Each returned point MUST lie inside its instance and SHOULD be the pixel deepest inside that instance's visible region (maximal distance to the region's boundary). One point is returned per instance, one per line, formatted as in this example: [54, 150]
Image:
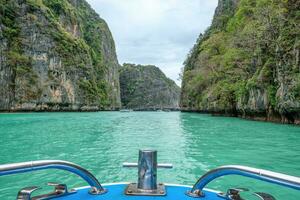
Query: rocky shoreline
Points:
[57, 108]
[275, 117]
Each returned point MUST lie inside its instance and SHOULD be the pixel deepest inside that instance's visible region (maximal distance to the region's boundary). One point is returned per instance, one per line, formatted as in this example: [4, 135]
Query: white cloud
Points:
[158, 32]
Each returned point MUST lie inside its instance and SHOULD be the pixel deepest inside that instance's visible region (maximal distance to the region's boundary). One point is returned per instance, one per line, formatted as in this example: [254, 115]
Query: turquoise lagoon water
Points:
[102, 141]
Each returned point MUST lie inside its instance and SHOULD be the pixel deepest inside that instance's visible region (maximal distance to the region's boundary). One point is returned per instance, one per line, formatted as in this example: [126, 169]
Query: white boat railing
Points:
[23, 167]
[260, 174]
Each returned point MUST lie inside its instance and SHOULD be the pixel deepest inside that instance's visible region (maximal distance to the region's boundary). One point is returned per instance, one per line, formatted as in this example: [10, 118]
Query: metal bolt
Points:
[198, 192]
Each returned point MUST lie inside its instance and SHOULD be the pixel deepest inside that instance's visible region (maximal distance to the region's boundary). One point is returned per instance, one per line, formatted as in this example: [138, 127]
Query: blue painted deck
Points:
[116, 192]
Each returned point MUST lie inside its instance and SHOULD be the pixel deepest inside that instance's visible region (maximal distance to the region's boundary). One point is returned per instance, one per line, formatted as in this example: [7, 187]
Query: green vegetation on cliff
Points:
[145, 87]
[247, 62]
[56, 52]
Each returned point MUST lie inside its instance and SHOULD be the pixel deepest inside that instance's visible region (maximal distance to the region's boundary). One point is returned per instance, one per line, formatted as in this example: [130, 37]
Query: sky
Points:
[156, 32]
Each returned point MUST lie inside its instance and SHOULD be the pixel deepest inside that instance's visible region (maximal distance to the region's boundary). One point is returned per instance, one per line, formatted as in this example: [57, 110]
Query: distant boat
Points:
[146, 187]
[126, 110]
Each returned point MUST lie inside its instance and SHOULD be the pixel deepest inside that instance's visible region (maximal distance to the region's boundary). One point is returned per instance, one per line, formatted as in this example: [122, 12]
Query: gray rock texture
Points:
[147, 88]
[247, 63]
[56, 56]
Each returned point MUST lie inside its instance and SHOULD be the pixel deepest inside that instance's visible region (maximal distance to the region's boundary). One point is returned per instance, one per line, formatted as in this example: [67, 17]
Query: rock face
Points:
[56, 55]
[247, 63]
[147, 88]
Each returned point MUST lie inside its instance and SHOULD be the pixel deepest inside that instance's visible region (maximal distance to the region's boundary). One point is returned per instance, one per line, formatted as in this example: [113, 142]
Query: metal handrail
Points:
[260, 174]
[23, 167]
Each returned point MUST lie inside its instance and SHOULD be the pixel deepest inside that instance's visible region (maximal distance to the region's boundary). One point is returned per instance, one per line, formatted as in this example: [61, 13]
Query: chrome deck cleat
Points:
[147, 175]
[60, 190]
[233, 193]
[25, 193]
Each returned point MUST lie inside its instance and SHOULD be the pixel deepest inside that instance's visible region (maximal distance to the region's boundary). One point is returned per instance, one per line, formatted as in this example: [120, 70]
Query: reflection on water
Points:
[101, 141]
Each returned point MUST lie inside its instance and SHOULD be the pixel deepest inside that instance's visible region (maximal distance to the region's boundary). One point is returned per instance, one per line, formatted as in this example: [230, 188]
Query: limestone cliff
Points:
[56, 55]
[247, 63]
[147, 88]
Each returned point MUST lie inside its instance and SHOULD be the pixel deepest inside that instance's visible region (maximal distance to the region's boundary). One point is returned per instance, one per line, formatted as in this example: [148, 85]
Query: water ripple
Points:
[102, 141]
